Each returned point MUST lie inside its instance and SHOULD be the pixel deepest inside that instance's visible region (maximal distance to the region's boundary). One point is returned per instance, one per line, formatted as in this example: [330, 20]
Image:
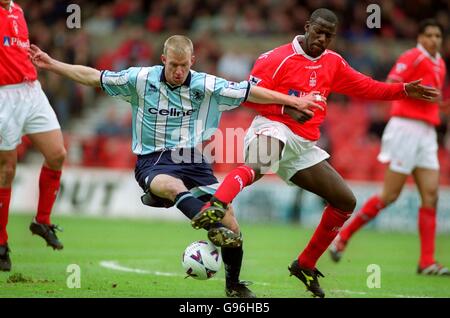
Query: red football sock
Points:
[49, 182]
[234, 182]
[326, 231]
[427, 231]
[5, 198]
[369, 211]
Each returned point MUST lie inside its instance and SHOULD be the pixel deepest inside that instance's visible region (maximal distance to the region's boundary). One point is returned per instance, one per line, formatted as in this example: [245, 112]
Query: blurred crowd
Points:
[228, 36]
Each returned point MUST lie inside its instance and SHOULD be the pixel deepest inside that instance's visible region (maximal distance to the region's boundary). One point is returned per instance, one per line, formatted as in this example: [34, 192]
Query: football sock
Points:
[5, 197]
[190, 206]
[232, 260]
[427, 231]
[234, 182]
[369, 211]
[49, 182]
[326, 231]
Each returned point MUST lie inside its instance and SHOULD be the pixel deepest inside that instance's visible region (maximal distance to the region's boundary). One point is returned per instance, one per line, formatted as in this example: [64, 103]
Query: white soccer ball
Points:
[201, 260]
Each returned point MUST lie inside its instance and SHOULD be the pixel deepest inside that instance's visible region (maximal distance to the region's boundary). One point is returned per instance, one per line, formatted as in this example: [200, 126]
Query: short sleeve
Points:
[229, 95]
[120, 84]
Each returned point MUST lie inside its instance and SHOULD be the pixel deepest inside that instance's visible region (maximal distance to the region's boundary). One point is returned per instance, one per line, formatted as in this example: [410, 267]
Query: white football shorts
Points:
[298, 153]
[24, 109]
[407, 144]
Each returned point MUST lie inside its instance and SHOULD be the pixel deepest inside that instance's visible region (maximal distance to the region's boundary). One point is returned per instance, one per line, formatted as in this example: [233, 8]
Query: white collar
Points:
[435, 59]
[299, 50]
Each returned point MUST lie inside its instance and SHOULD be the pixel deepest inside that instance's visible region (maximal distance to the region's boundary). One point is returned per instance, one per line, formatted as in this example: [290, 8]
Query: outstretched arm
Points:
[263, 95]
[351, 82]
[82, 74]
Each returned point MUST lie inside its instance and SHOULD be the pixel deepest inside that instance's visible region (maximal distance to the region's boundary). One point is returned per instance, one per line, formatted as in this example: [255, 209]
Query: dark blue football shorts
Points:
[186, 164]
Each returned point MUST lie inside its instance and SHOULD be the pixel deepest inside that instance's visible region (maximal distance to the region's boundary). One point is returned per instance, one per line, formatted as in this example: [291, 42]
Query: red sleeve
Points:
[403, 68]
[350, 82]
[261, 75]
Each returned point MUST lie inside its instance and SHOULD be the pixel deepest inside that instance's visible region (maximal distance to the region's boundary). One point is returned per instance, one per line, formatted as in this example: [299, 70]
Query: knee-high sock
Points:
[234, 182]
[49, 182]
[190, 206]
[427, 232]
[369, 211]
[5, 197]
[326, 231]
[232, 259]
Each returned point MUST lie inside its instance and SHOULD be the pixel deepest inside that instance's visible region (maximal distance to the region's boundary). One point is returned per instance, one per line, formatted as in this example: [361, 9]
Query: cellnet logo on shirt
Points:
[173, 112]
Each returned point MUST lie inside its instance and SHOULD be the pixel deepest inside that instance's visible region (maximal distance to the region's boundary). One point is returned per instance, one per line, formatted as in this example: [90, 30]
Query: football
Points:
[201, 260]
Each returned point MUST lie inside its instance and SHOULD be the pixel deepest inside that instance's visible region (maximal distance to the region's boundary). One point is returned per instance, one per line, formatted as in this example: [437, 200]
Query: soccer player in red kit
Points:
[25, 110]
[409, 145]
[278, 142]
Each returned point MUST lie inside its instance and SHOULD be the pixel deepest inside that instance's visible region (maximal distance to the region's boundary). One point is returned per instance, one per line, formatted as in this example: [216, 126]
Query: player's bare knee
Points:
[430, 199]
[56, 160]
[173, 188]
[230, 221]
[389, 198]
[7, 173]
[347, 203]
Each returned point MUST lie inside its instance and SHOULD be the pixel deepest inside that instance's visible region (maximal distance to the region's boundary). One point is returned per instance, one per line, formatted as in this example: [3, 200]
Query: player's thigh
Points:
[166, 186]
[324, 181]
[263, 152]
[427, 181]
[230, 221]
[50, 144]
[392, 185]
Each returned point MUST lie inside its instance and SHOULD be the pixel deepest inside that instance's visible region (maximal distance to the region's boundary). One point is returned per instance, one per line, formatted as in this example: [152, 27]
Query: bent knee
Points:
[7, 173]
[56, 160]
[347, 203]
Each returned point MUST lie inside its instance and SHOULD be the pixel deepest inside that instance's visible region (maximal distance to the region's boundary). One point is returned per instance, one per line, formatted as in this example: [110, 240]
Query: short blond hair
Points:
[179, 44]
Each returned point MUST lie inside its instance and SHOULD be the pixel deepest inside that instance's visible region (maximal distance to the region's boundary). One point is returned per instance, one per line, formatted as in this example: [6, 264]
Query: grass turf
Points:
[151, 251]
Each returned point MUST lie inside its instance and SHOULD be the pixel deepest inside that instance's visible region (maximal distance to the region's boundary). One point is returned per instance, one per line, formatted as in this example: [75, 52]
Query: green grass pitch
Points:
[146, 260]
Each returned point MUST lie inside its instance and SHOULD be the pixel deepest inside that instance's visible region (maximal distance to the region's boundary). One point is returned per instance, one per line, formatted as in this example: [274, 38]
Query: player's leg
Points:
[232, 258]
[262, 153]
[427, 181]
[43, 129]
[392, 187]
[51, 145]
[174, 192]
[8, 160]
[324, 181]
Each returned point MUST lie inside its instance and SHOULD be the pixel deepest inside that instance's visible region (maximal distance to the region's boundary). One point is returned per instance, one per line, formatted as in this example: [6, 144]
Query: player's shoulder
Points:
[16, 7]
[411, 54]
[333, 56]
[277, 55]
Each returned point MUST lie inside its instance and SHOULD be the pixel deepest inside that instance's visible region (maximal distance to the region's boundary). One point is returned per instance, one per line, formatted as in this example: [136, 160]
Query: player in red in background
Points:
[25, 110]
[409, 145]
[278, 142]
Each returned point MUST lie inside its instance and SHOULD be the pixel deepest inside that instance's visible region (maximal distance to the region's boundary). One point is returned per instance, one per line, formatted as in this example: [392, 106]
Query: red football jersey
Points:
[15, 65]
[289, 70]
[412, 65]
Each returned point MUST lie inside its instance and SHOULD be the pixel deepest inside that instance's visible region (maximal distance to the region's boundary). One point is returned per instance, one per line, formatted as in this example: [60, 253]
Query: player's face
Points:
[177, 67]
[5, 3]
[318, 36]
[431, 39]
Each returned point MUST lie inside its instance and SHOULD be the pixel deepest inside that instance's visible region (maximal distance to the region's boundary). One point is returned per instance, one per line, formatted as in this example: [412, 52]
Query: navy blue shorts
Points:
[186, 164]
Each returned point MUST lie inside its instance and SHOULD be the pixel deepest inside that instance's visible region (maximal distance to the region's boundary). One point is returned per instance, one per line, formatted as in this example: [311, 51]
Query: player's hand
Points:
[300, 116]
[308, 102]
[39, 58]
[416, 90]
